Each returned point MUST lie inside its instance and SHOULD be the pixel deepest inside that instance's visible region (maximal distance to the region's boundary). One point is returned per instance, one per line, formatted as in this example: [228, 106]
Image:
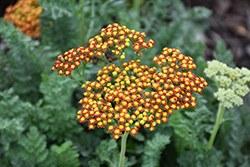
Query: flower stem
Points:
[103, 58]
[83, 79]
[136, 5]
[220, 113]
[91, 26]
[123, 149]
[71, 77]
[82, 34]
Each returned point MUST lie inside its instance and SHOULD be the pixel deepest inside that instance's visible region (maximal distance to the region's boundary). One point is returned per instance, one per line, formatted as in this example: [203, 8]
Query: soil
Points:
[229, 22]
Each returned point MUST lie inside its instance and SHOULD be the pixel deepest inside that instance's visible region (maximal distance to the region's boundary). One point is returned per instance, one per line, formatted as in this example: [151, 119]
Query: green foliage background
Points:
[38, 107]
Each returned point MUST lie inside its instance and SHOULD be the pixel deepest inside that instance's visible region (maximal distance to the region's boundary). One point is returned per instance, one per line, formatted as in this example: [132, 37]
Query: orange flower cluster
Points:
[25, 16]
[126, 98]
[114, 38]
[133, 96]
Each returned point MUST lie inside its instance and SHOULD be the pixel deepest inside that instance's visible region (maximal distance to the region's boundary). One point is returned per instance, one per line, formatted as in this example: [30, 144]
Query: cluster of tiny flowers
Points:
[25, 16]
[232, 83]
[126, 98]
[113, 38]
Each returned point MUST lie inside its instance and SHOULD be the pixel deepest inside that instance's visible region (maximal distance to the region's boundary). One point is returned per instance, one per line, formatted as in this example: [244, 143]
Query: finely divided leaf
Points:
[65, 155]
[153, 150]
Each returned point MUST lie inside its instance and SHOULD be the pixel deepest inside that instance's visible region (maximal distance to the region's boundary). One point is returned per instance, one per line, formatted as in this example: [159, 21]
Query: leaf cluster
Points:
[223, 55]
[22, 62]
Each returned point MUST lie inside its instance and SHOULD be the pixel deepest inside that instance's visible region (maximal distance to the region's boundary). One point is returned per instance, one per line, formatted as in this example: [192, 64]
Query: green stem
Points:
[71, 77]
[136, 5]
[103, 58]
[83, 79]
[113, 165]
[216, 82]
[120, 61]
[220, 113]
[91, 26]
[137, 56]
[123, 149]
[82, 34]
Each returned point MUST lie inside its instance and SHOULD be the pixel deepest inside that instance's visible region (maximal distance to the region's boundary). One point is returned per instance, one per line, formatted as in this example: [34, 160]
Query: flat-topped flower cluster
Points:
[25, 16]
[130, 96]
[232, 83]
[113, 37]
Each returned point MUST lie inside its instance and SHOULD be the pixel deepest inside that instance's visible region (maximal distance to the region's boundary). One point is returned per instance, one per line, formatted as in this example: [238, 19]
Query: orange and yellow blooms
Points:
[126, 98]
[25, 16]
[113, 38]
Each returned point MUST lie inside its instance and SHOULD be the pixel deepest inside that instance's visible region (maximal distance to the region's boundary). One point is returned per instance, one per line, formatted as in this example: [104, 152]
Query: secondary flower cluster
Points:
[133, 96]
[25, 16]
[113, 38]
[233, 84]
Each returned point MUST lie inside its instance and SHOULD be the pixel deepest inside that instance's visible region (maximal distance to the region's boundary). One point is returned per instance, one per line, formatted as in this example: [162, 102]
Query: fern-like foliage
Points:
[20, 59]
[22, 64]
[57, 90]
[190, 130]
[58, 17]
[173, 31]
[34, 146]
[201, 157]
[11, 106]
[86, 143]
[189, 126]
[14, 118]
[64, 155]
[170, 26]
[232, 139]
[55, 116]
[114, 6]
[94, 163]
[224, 55]
[153, 150]
[108, 153]
[10, 130]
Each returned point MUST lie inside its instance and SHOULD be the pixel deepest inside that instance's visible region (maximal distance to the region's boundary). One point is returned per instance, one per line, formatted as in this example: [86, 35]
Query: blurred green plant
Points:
[22, 62]
[223, 55]
[153, 148]
[21, 143]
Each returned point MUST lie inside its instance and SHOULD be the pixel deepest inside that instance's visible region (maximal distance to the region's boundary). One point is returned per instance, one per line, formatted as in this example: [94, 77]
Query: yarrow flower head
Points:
[233, 84]
[128, 97]
[113, 38]
[25, 16]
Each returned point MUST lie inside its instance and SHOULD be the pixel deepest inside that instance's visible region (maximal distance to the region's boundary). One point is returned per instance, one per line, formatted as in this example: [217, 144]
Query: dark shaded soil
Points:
[230, 22]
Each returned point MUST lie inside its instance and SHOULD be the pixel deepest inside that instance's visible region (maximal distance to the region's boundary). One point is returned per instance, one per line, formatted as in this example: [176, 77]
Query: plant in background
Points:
[232, 84]
[25, 16]
[130, 95]
[30, 55]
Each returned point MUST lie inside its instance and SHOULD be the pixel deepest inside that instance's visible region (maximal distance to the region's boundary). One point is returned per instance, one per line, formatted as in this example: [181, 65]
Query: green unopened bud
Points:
[62, 59]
